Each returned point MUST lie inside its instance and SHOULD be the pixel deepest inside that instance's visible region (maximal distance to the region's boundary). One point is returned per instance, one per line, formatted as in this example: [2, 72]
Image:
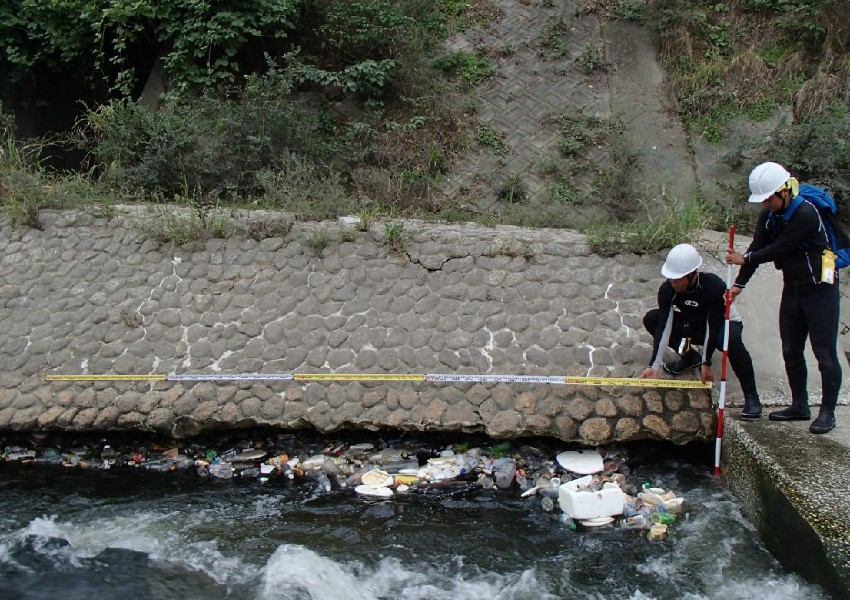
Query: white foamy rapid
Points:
[251, 548]
[297, 572]
[163, 537]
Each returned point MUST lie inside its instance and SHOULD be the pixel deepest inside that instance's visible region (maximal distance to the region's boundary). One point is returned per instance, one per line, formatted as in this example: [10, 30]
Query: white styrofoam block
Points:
[583, 462]
[583, 504]
[576, 484]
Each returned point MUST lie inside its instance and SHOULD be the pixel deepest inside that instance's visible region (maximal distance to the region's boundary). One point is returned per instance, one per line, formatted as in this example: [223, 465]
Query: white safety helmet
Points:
[766, 179]
[681, 260]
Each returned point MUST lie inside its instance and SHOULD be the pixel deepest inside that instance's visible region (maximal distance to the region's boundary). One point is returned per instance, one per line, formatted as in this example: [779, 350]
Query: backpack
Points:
[839, 241]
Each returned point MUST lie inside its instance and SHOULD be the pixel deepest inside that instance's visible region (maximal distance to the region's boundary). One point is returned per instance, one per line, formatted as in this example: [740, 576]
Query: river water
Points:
[125, 534]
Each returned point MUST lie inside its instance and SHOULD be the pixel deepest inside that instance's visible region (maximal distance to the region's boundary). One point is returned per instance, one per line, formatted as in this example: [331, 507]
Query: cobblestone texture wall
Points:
[97, 296]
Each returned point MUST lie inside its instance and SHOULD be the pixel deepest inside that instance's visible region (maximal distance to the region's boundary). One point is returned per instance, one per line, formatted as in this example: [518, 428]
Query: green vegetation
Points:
[321, 108]
[747, 57]
[472, 69]
[316, 241]
[184, 227]
[592, 58]
[396, 236]
[817, 149]
[339, 107]
[104, 40]
[579, 132]
[553, 39]
[490, 138]
[513, 189]
[654, 232]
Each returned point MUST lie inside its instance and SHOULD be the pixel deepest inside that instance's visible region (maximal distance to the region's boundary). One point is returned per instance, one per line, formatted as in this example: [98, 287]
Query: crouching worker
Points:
[692, 310]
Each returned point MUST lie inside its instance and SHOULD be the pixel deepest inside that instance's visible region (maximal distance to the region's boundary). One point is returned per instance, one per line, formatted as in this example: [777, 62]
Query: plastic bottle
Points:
[637, 521]
[522, 480]
[397, 465]
[567, 521]
[108, 453]
[548, 504]
[221, 470]
[629, 509]
[323, 481]
[663, 517]
[505, 473]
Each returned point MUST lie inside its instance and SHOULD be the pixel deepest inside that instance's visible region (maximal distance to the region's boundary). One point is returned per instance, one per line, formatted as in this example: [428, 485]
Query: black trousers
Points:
[810, 311]
[739, 357]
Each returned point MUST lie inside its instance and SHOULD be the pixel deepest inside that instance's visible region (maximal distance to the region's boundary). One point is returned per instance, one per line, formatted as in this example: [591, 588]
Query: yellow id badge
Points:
[827, 269]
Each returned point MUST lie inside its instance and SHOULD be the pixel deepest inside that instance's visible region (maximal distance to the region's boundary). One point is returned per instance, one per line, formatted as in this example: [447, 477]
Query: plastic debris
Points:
[582, 489]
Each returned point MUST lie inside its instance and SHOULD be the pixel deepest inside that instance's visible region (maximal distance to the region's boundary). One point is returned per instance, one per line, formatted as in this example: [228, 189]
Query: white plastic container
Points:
[582, 504]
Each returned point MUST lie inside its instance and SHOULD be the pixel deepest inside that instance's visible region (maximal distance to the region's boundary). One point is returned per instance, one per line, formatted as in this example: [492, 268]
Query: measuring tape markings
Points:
[231, 377]
[105, 377]
[494, 378]
[431, 377]
[357, 377]
[637, 382]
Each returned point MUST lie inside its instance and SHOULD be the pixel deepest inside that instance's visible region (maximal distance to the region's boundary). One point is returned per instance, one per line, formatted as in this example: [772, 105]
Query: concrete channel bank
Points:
[99, 297]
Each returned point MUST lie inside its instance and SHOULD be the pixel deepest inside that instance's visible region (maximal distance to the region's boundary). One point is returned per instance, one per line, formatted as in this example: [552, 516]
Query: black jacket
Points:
[702, 307]
[794, 247]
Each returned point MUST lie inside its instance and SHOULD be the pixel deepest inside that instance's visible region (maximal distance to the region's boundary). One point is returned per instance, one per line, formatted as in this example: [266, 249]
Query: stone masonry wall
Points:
[97, 296]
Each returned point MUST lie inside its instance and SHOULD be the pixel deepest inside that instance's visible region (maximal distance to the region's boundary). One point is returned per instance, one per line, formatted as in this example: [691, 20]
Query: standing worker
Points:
[692, 309]
[810, 298]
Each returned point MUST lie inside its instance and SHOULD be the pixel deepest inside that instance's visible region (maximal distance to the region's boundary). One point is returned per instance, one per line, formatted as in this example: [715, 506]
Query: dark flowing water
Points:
[69, 534]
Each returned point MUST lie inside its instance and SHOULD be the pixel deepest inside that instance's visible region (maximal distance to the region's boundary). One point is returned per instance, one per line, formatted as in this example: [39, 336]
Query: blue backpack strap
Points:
[796, 201]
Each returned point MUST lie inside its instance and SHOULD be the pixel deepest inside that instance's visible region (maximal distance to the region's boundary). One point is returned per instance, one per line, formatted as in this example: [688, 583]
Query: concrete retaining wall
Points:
[98, 296]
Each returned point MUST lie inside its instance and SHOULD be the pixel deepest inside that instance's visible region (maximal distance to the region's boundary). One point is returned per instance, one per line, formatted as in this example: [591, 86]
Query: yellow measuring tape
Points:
[637, 382]
[431, 377]
[105, 377]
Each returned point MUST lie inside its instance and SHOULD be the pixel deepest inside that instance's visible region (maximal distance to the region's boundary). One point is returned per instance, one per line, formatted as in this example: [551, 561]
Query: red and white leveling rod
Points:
[721, 401]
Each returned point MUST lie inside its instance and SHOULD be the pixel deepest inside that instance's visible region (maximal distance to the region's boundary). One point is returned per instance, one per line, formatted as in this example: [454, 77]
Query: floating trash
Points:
[583, 488]
[378, 491]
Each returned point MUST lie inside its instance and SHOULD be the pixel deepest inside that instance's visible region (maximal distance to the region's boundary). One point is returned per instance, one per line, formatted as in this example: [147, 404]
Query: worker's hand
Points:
[705, 374]
[734, 258]
[734, 292]
[649, 373]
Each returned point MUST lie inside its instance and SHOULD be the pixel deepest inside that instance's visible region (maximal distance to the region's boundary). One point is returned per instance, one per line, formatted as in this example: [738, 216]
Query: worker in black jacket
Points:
[810, 297]
[692, 310]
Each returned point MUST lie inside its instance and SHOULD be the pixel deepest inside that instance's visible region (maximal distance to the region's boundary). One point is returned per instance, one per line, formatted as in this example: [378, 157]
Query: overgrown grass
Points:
[396, 236]
[27, 186]
[677, 223]
[316, 241]
[177, 227]
[817, 150]
[472, 69]
[488, 137]
[746, 57]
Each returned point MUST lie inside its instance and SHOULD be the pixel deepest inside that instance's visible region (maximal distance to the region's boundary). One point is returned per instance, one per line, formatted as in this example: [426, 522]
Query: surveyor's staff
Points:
[721, 401]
